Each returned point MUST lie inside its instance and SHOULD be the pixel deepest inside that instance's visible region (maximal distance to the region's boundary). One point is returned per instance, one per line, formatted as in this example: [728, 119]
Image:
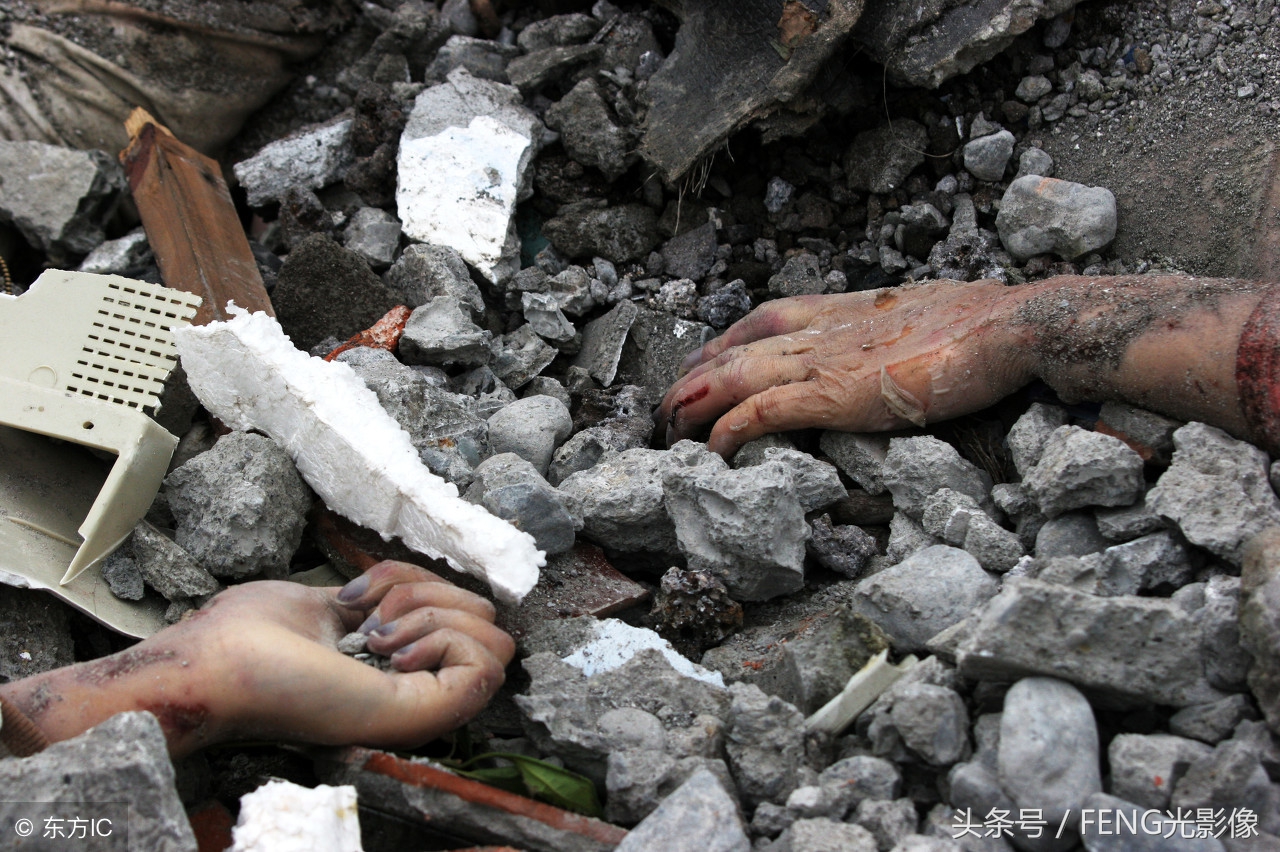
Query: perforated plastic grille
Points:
[129, 348]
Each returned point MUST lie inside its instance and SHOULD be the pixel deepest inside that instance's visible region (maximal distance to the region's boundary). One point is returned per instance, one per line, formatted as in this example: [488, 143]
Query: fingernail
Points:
[370, 624]
[403, 650]
[691, 360]
[670, 436]
[354, 590]
[386, 629]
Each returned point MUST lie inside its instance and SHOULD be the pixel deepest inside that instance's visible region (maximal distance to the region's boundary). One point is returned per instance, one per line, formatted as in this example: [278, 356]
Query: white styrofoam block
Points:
[458, 189]
[348, 449]
[616, 642]
[281, 816]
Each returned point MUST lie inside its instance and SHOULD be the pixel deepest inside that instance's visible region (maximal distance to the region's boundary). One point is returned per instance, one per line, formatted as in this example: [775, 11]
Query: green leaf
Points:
[538, 779]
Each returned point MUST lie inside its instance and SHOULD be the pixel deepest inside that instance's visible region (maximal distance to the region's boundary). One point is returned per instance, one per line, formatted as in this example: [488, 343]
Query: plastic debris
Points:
[355, 456]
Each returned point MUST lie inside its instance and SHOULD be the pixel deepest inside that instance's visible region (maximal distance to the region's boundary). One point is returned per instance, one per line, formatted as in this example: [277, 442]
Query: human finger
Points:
[407, 597]
[365, 591]
[781, 316]
[739, 375]
[398, 638]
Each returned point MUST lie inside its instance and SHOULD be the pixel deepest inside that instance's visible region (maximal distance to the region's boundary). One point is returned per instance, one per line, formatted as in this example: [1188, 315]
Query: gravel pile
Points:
[1070, 578]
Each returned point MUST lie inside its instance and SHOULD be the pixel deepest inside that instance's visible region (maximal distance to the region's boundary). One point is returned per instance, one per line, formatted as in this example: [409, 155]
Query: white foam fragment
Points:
[348, 449]
[281, 816]
[458, 188]
[616, 642]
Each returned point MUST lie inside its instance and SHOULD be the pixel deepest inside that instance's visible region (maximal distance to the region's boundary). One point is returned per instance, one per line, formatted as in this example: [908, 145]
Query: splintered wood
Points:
[190, 221]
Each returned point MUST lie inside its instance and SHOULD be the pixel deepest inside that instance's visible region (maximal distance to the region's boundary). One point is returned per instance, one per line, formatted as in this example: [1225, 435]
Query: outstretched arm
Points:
[916, 354]
[259, 661]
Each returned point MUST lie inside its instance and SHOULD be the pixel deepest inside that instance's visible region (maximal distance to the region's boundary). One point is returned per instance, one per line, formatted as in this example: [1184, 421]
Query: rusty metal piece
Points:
[383, 334]
[351, 549]
[580, 582]
[190, 221]
[462, 807]
[211, 823]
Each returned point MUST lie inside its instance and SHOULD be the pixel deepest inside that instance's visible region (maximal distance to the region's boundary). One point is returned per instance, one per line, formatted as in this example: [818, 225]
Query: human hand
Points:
[260, 661]
[864, 362]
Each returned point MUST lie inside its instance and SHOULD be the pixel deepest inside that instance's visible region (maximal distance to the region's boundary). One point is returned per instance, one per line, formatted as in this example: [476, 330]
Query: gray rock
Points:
[765, 745]
[817, 482]
[690, 254]
[638, 780]
[906, 538]
[889, 822]
[542, 312]
[658, 343]
[744, 526]
[118, 770]
[512, 489]
[482, 58]
[923, 595]
[931, 721]
[120, 570]
[842, 548]
[1147, 428]
[571, 287]
[824, 835]
[770, 820]
[1072, 534]
[1226, 662]
[1034, 161]
[1079, 468]
[1125, 523]
[862, 778]
[588, 131]
[1158, 559]
[987, 157]
[241, 507]
[449, 437]
[1039, 215]
[1154, 832]
[800, 276]
[1213, 722]
[57, 197]
[915, 468]
[168, 568]
[725, 305]
[817, 664]
[563, 709]
[698, 817]
[678, 298]
[1048, 755]
[811, 802]
[1217, 491]
[557, 30]
[924, 843]
[531, 428]
[926, 45]
[440, 333]
[1260, 623]
[520, 356]
[313, 157]
[1028, 435]
[119, 257]
[975, 786]
[621, 502]
[860, 456]
[537, 69]
[602, 342]
[424, 272]
[1032, 88]
[943, 824]
[1141, 647]
[1230, 777]
[956, 519]
[374, 234]
[547, 386]
[1145, 768]
[879, 160]
[619, 233]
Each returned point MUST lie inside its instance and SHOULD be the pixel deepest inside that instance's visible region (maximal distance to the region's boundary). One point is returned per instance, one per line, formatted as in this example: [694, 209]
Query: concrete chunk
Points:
[57, 197]
[1078, 468]
[698, 817]
[915, 468]
[312, 158]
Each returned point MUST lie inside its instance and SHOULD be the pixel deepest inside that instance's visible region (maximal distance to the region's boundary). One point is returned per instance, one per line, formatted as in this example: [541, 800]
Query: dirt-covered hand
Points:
[868, 361]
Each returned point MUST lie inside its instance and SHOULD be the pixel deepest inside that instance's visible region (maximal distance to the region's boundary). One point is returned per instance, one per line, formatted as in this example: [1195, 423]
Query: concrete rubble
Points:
[1092, 592]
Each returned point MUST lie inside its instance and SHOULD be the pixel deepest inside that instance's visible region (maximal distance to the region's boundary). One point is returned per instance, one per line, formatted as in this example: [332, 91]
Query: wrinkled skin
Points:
[912, 355]
[259, 661]
[853, 362]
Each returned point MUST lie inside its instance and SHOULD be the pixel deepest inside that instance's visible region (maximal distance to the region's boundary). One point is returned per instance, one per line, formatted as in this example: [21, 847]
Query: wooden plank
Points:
[191, 222]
